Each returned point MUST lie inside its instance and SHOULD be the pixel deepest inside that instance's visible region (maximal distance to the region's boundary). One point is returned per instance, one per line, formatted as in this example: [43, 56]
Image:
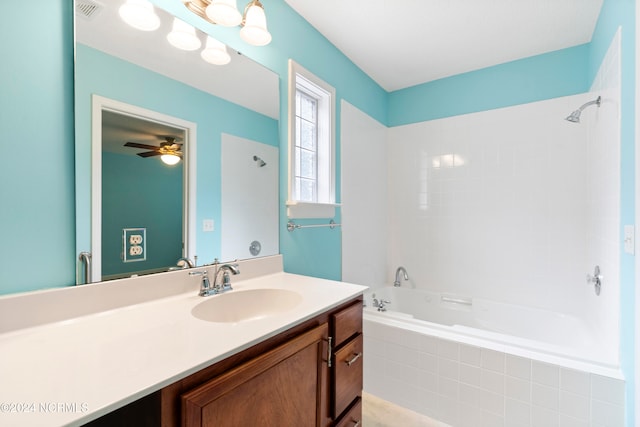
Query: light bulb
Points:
[183, 36]
[140, 14]
[170, 159]
[255, 26]
[224, 12]
[215, 52]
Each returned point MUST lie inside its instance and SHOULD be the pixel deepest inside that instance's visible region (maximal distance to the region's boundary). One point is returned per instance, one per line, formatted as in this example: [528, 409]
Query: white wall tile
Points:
[575, 405]
[518, 367]
[544, 417]
[491, 402]
[448, 368]
[567, 421]
[493, 360]
[544, 373]
[575, 381]
[518, 389]
[448, 387]
[607, 389]
[517, 413]
[492, 381]
[470, 374]
[448, 349]
[489, 419]
[546, 397]
[606, 414]
[470, 355]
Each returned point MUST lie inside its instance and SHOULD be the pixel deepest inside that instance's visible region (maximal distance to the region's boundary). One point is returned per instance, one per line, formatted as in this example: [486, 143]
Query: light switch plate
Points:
[207, 225]
[629, 239]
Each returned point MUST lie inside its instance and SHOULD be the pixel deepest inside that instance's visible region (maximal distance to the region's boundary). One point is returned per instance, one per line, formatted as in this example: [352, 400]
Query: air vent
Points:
[88, 9]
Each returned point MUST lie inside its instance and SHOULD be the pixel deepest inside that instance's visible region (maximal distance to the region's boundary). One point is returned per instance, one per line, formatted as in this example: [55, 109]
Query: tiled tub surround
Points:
[470, 385]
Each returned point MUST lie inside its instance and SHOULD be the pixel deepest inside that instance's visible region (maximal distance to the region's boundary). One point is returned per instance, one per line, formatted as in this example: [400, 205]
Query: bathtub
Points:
[469, 361]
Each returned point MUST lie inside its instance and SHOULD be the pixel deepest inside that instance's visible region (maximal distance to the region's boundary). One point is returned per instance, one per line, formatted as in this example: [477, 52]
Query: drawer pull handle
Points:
[356, 356]
[357, 423]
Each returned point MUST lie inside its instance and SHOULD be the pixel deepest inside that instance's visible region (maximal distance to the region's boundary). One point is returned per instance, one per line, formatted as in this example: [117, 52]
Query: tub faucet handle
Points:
[596, 279]
[380, 303]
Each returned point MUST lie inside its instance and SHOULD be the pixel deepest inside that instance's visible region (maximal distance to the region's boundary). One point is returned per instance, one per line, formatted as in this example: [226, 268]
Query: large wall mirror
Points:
[139, 98]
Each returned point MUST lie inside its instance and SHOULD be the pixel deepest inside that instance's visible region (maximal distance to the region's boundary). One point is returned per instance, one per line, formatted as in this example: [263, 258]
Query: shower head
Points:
[260, 162]
[575, 116]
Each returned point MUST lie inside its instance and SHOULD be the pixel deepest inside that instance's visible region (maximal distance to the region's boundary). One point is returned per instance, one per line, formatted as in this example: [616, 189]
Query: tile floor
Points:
[380, 413]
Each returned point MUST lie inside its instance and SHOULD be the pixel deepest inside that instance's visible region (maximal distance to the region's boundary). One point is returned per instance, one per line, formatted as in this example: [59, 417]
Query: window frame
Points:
[311, 85]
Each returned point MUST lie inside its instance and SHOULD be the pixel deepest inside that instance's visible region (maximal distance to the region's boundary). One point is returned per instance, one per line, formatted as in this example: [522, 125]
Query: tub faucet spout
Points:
[405, 276]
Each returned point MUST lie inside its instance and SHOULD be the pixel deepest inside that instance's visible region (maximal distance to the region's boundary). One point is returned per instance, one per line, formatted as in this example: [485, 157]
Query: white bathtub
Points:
[459, 359]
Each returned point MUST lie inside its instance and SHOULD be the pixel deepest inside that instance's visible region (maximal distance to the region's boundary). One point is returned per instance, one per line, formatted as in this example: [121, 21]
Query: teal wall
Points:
[560, 73]
[36, 141]
[145, 193]
[110, 77]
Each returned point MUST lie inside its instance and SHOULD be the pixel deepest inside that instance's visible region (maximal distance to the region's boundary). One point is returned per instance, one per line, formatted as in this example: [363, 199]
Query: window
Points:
[311, 145]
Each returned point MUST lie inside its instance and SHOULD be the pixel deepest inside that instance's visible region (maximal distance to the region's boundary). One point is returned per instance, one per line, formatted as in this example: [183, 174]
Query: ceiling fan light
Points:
[140, 14]
[183, 36]
[255, 30]
[224, 12]
[215, 52]
[170, 159]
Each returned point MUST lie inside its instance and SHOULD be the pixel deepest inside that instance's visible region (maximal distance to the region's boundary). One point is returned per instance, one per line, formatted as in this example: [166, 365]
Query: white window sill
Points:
[311, 210]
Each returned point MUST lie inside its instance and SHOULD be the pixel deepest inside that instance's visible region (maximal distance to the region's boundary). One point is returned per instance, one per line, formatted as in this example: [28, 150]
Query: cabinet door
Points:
[283, 387]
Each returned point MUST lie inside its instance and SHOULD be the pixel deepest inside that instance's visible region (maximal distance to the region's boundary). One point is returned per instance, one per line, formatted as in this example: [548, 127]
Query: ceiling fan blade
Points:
[149, 153]
[137, 145]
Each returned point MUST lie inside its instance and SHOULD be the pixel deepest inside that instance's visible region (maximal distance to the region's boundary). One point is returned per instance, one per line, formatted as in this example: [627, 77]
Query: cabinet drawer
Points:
[353, 417]
[347, 323]
[348, 375]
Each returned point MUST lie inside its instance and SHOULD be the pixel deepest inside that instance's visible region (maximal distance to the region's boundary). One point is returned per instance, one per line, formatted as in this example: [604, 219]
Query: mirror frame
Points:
[99, 104]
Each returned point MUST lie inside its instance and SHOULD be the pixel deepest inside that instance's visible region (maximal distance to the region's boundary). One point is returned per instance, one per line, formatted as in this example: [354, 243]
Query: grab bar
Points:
[456, 300]
[85, 260]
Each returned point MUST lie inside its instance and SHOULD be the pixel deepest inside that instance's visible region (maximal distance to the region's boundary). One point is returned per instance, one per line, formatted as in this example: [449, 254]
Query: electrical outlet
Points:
[134, 242]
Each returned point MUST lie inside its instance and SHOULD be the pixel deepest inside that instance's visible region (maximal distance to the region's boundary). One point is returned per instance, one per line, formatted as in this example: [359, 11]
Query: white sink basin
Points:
[242, 306]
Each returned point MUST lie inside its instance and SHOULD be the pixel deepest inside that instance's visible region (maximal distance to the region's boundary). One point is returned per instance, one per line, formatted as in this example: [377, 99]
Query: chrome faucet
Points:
[405, 276]
[185, 262]
[205, 285]
[226, 279]
[380, 303]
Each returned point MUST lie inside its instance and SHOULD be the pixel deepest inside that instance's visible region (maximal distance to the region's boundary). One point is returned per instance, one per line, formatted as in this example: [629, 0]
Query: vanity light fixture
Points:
[215, 52]
[225, 12]
[183, 36]
[139, 14]
[170, 159]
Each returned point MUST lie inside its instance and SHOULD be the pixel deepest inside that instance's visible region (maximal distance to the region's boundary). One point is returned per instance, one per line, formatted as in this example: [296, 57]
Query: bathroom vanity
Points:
[155, 363]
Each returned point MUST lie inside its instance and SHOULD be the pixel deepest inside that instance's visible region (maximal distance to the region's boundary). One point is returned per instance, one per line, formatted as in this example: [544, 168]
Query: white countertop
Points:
[72, 371]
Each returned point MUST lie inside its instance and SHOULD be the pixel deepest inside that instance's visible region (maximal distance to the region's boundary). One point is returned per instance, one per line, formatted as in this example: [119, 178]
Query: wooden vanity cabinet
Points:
[284, 381]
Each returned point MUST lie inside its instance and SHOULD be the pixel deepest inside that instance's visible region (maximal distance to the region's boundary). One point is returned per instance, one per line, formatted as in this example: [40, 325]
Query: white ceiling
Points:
[401, 43]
